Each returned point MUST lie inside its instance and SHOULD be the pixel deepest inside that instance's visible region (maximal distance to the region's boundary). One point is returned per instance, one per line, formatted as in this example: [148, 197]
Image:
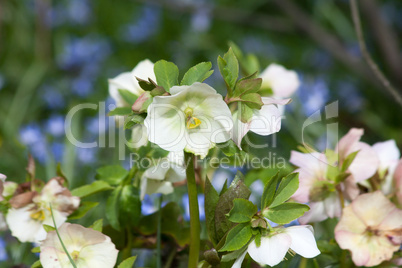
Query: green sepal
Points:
[285, 213]
[286, 189]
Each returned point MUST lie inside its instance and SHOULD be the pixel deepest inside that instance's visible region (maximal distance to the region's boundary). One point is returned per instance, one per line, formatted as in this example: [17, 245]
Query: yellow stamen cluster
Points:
[38, 215]
[75, 254]
[191, 121]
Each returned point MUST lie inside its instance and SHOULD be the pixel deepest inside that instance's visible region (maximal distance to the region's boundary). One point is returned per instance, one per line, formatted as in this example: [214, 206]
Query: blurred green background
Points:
[57, 54]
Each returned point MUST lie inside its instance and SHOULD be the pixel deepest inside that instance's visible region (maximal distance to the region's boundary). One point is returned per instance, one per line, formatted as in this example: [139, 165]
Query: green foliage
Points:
[130, 206]
[36, 264]
[48, 228]
[242, 211]
[237, 237]
[112, 208]
[229, 68]
[286, 189]
[197, 73]
[133, 119]
[127, 263]
[146, 85]
[167, 74]
[285, 213]
[120, 111]
[269, 191]
[90, 189]
[211, 200]
[348, 161]
[113, 175]
[83, 210]
[97, 225]
[128, 96]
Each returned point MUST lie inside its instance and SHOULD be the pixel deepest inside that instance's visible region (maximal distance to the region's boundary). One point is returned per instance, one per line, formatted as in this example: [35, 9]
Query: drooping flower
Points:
[128, 81]
[274, 247]
[265, 121]
[388, 155]
[371, 228]
[194, 118]
[30, 210]
[87, 248]
[283, 82]
[160, 177]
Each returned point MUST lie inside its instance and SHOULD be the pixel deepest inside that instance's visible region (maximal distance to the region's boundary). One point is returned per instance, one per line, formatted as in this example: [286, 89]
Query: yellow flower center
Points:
[75, 254]
[38, 215]
[191, 121]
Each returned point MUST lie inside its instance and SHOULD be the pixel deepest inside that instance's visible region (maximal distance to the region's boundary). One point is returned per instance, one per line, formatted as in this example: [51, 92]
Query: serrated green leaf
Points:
[127, 263]
[285, 212]
[130, 206]
[128, 96]
[112, 208]
[197, 73]
[167, 74]
[113, 174]
[237, 237]
[97, 225]
[90, 189]
[82, 210]
[48, 228]
[36, 264]
[120, 111]
[247, 86]
[211, 199]
[229, 68]
[348, 161]
[242, 211]
[252, 100]
[286, 189]
[269, 191]
[237, 189]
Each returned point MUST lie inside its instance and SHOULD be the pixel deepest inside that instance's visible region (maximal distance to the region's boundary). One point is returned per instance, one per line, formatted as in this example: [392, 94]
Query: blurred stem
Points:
[170, 258]
[303, 263]
[159, 235]
[194, 213]
[366, 55]
[127, 250]
[341, 197]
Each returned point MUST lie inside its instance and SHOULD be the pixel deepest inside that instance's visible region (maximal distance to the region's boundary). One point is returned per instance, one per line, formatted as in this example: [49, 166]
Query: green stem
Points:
[194, 213]
[159, 235]
[127, 250]
[61, 241]
[303, 263]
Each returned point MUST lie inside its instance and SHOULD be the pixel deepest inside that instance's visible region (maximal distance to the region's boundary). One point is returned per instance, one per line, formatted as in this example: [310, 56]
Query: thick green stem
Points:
[159, 235]
[194, 213]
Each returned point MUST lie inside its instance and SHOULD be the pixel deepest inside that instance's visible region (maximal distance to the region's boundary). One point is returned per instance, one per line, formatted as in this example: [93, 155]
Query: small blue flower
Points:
[55, 125]
[3, 252]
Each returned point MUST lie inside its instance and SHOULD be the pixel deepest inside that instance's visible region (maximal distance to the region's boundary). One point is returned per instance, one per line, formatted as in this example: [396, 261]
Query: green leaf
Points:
[48, 228]
[113, 175]
[229, 148]
[146, 85]
[112, 208]
[82, 210]
[128, 96]
[251, 64]
[167, 74]
[211, 199]
[97, 225]
[237, 189]
[233, 255]
[229, 68]
[90, 189]
[130, 206]
[197, 73]
[286, 189]
[269, 191]
[36, 264]
[252, 100]
[239, 236]
[348, 161]
[285, 212]
[242, 211]
[247, 86]
[60, 173]
[132, 120]
[246, 113]
[36, 249]
[120, 111]
[127, 263]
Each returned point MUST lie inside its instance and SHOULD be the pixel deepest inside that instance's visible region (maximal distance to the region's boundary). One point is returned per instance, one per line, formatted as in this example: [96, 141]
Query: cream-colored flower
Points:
[160, 177]
[274, 247]
[283, 82]
[194, 118]
[371, 228]
[88, 248]
[128, 81]
[26, 218]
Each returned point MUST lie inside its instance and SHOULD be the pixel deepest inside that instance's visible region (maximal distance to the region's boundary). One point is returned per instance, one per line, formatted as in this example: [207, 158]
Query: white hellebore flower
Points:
[283, 82]
[26, 222]
[265, 121]
[194, 118]
[274, 247]
[87, 248]
[128, 81]
[160, 177]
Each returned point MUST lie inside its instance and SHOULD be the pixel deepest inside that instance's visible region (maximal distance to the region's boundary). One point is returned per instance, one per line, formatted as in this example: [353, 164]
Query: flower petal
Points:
[388, 153]
[239, 261]
[282, 81]
[315, 214]
[303, 241]
[272, 249]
